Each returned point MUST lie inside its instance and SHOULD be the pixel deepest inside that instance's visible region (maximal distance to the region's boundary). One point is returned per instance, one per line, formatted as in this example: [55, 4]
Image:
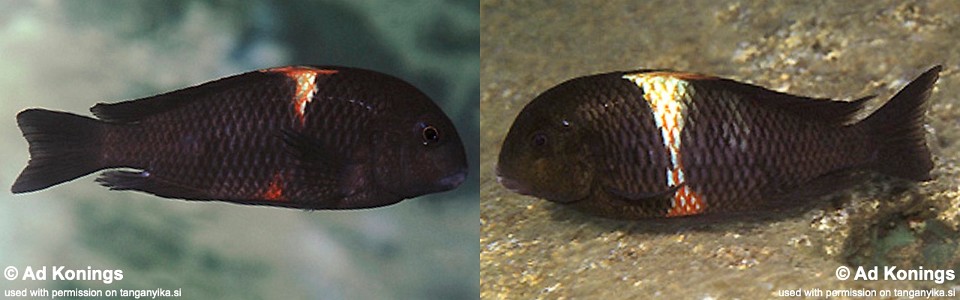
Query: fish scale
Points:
[654, 143]
[177, 164]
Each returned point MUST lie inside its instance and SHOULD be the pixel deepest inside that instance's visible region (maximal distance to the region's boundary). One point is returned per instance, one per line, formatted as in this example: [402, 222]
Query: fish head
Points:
[544, 154]
[420, 152]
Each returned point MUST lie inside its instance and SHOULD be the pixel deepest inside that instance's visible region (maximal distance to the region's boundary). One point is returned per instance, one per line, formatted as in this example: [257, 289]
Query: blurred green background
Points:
[69, 55]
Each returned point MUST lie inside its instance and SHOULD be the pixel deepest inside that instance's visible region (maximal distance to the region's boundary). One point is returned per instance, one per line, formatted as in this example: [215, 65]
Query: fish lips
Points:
[444, 184]
[452, 181]
[514, 186]
[519, 187]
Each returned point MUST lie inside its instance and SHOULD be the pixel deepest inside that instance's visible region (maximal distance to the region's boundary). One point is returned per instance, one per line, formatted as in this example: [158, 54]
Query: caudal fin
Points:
[897, 130]
[63, 147]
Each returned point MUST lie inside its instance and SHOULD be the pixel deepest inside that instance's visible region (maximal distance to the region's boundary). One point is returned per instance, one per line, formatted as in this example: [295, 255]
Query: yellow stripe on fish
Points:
[667, 94]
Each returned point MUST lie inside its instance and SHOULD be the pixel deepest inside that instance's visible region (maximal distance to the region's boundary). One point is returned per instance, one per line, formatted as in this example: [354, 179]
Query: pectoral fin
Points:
[325, 166]
[643, 198]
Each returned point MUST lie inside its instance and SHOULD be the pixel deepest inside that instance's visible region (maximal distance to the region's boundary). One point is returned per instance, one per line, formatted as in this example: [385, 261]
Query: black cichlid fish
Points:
[297, 136]
[648, 143]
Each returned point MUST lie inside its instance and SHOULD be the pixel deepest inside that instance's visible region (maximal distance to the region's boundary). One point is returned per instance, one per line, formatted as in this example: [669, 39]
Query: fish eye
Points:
[539, 139]
[430, 135]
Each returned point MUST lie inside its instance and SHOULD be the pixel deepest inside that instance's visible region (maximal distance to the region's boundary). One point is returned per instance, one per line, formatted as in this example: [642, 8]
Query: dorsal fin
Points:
[823, 109]
[688, 76]
[134, 110]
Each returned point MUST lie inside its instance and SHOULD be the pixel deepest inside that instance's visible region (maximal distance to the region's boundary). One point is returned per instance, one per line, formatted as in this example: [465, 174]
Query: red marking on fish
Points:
[686, 202]
[274, 191]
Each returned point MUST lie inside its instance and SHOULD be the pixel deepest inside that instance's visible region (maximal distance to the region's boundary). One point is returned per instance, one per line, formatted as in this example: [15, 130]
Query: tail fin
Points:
[63, 147]
[897, 130]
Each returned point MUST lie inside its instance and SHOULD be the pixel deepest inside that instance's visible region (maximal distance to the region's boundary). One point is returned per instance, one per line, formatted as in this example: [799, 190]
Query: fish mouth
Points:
[518, 187]
[452, 181]
[512, 184]
[447, 183]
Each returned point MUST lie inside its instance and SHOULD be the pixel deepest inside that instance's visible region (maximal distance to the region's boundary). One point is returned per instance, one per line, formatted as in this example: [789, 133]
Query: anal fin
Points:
[145, 182]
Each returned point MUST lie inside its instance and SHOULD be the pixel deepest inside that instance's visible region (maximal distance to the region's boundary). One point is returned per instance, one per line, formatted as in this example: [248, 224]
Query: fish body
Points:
[298, 136]
[646, 144]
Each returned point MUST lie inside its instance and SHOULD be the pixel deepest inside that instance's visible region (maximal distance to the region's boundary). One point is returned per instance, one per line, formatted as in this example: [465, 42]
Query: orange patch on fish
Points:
[274, 191]
[685, 202]
[667, 94]
[306, 79]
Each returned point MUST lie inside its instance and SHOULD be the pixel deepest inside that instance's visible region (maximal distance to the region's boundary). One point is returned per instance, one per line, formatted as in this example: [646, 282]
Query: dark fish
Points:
[297, 136]
[665, 144]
